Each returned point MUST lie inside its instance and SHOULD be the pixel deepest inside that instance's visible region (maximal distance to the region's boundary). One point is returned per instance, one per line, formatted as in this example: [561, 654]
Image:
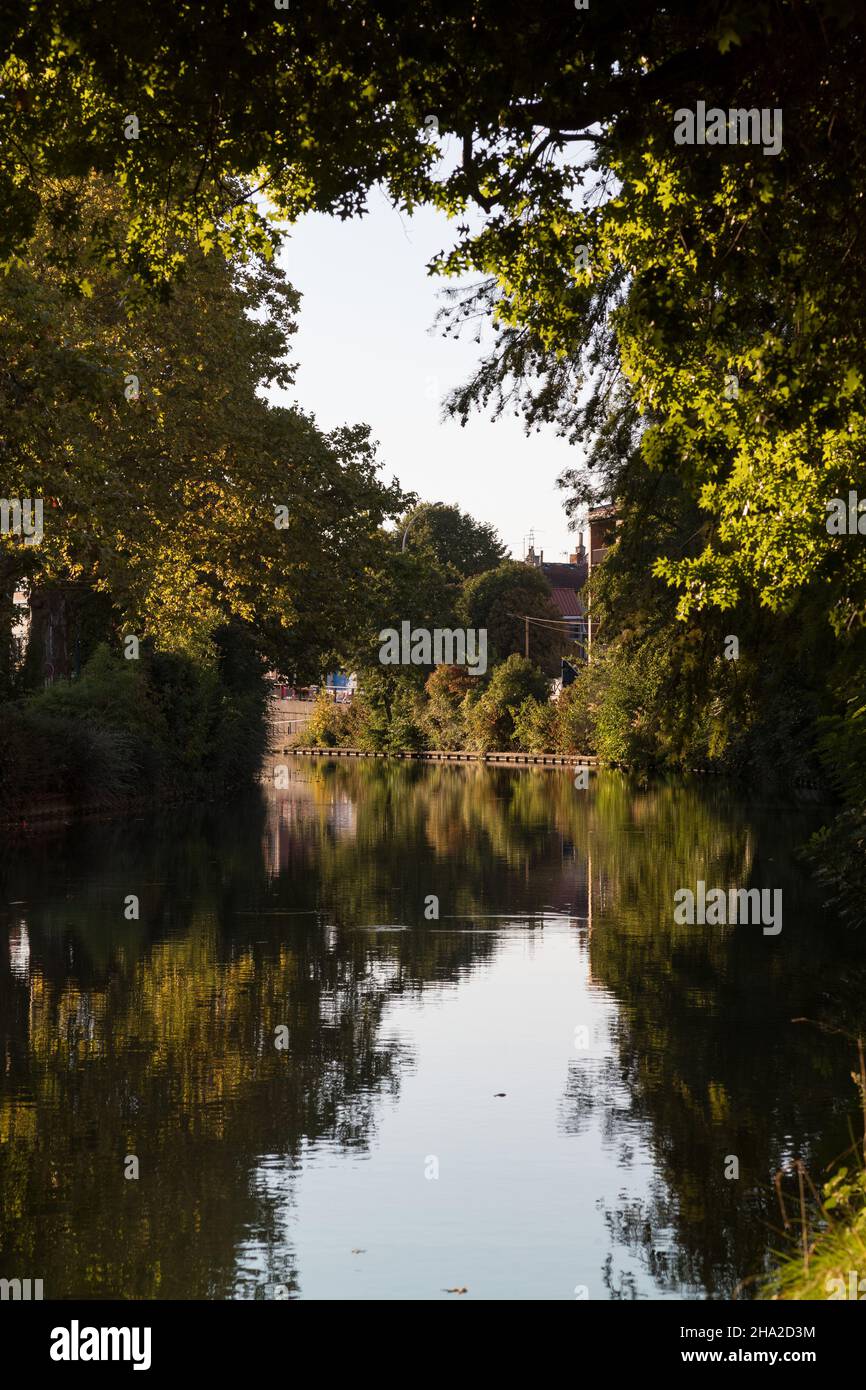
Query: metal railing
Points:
[341, 695]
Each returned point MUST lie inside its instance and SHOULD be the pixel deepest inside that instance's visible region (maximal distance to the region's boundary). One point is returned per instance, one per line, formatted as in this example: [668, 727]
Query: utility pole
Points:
[526, 638]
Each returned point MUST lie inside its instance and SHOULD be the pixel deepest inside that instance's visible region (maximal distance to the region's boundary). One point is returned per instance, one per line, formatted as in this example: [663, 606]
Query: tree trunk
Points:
[49, 638]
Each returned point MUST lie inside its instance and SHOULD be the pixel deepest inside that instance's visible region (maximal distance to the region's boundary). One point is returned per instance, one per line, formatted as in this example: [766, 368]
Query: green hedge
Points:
[161, 727]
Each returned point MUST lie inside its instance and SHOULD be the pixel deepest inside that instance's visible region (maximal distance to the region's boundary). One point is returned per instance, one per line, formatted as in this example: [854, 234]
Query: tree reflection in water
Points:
[156, 1037]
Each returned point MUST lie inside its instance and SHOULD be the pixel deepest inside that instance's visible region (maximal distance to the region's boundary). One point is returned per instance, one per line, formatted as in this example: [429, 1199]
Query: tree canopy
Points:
[453, 537]
[603, 244]
[166, 478]
[501, 599]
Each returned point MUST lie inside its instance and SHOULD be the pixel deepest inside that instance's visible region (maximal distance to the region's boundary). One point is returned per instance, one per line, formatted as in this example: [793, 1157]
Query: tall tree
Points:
[453, 537]
[501, 599]
[165, 477]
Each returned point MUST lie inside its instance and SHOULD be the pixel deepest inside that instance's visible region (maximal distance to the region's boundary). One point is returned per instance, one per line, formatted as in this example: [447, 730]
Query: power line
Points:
[542, 622]
[550, 622]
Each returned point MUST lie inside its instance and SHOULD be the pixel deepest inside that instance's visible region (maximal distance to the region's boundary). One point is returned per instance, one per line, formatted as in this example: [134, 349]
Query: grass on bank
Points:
[829, 1258]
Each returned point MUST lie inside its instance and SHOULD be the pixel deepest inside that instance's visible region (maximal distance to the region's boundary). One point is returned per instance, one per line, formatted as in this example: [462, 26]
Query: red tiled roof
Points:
[569, 602]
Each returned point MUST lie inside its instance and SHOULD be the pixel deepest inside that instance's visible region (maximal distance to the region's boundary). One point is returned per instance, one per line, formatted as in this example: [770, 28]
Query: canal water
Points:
[395, 1029]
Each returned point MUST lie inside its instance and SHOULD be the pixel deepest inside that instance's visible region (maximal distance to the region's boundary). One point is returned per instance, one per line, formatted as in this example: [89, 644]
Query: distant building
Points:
[602, 523]
[567, 581]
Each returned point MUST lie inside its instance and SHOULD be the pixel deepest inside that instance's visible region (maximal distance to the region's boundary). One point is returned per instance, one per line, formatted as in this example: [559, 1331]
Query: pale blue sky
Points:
[365, 353]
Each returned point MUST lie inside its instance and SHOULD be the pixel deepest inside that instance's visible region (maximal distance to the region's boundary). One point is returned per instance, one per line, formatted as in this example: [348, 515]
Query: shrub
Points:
[490, 718]
[335, 726]
[443, 716]
[576, 710]
[162, 726]
[535, 727]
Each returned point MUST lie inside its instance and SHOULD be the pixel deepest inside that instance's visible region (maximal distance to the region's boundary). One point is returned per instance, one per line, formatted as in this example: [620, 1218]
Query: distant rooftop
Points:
[564, 576]
[568, 601]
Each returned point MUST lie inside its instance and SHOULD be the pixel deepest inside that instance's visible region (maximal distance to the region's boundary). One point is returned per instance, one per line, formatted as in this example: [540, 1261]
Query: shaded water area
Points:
[374, 1156]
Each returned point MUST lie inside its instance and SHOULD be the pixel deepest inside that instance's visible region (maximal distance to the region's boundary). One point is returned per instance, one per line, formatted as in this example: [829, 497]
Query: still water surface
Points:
[375, 1156]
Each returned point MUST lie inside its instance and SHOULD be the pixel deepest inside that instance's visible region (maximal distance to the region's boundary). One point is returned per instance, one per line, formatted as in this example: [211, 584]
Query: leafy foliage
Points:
[499, 601]
[168, 499]
[492, 718]
[453, 538]
[125, 732]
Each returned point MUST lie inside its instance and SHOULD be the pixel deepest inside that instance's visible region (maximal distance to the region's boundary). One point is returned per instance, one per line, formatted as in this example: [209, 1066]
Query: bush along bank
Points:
[509, 710]
[612, 710]
[639, 705]
[131, 732]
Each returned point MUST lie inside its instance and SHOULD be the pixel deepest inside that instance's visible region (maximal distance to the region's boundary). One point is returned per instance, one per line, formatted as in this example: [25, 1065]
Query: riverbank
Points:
[828, 1229]
[833, 1265]
[448, 756]
[126, 736]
